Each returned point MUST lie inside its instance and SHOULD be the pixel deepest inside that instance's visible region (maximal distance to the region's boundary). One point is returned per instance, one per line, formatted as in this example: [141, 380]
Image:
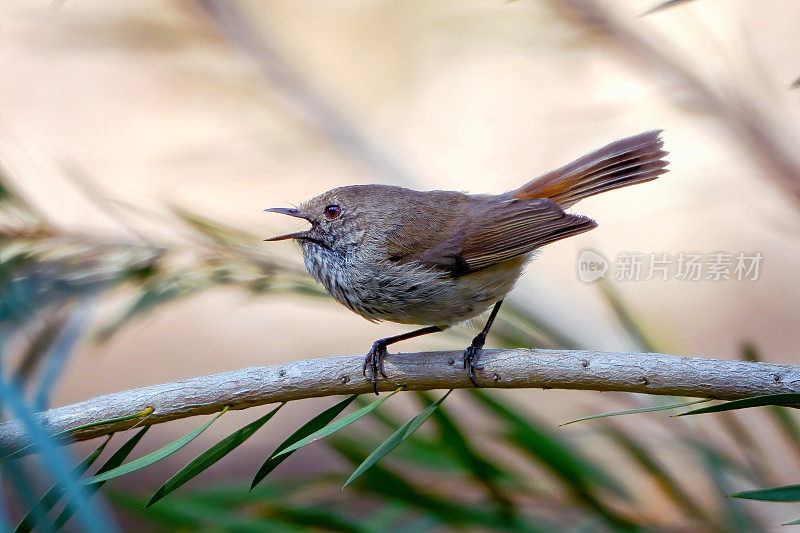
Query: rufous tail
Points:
[625, 162]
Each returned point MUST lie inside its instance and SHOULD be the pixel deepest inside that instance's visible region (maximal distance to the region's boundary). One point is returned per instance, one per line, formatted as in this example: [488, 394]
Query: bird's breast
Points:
[408, 293]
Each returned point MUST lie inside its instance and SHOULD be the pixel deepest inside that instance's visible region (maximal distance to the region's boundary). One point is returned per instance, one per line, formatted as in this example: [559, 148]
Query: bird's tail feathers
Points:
[629, 161]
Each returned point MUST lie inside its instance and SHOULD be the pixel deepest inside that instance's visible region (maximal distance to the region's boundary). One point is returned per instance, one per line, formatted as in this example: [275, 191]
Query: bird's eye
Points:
[333, 211]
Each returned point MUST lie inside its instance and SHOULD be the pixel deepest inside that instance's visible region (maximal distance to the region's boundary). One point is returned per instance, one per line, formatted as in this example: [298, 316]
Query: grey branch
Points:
[518, 368]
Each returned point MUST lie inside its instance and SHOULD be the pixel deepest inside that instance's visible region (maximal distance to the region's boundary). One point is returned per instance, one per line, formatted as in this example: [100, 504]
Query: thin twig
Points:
[518, 368]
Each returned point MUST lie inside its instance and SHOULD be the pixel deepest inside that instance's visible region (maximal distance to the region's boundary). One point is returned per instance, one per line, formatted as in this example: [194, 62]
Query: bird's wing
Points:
[490, 231]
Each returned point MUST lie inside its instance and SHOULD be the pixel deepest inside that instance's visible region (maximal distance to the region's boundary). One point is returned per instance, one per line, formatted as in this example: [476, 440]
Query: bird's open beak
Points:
[292, 213]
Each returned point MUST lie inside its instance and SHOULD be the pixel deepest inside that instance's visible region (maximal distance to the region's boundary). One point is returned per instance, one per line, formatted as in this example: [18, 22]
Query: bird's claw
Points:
[471, 355]
[374, 360]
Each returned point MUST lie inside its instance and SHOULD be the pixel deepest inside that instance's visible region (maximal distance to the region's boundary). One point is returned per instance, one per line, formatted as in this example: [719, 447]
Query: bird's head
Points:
[341, 217]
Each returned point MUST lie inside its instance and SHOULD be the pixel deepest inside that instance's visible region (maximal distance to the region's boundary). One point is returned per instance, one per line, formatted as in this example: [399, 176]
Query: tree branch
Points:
[518, 368]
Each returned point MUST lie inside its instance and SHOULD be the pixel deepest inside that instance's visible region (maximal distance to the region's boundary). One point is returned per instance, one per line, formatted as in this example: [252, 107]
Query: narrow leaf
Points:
[336, 426]
[53, 496]
[484, 471]
[58, 437]
[400, 488]
[114, 461]
[210, 456]
[665, 5]
[313, 425]
[140, 414]
[789, 493]
[634, 411]
[396, 438]
[792, 523]
[153, 457]
[788, 399]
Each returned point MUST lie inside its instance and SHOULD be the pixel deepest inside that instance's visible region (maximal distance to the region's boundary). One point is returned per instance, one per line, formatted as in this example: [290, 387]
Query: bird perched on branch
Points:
[436, 258]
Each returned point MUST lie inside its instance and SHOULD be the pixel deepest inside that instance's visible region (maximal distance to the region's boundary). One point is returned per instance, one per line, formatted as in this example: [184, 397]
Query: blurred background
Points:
[140, 142]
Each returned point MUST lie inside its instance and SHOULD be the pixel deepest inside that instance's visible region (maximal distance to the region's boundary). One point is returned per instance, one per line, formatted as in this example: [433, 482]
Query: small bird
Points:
[437, 258]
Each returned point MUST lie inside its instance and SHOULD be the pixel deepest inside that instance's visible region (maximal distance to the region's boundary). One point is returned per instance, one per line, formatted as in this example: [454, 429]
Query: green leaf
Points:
[114, 461]
[386, 485]
[58, 437]
[396, 438]
[210, 456]
[53, 496]
[153, 457]
[313, 425]
[481, 469]
[793, 522]
[634, 411]
[421, 451]
[789, 493]
[336, 426]
[786, 399]
[140, 414]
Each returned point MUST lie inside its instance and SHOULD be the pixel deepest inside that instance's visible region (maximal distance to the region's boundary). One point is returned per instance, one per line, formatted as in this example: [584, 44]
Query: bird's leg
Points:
[374, 359]
[472, 353]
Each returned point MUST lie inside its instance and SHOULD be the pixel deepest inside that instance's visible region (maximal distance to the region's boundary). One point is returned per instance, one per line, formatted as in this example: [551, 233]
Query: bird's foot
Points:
[374, 360]
[471, 356]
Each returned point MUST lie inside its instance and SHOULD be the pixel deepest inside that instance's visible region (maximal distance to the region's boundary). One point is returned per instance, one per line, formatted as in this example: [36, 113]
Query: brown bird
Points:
[442, 257]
